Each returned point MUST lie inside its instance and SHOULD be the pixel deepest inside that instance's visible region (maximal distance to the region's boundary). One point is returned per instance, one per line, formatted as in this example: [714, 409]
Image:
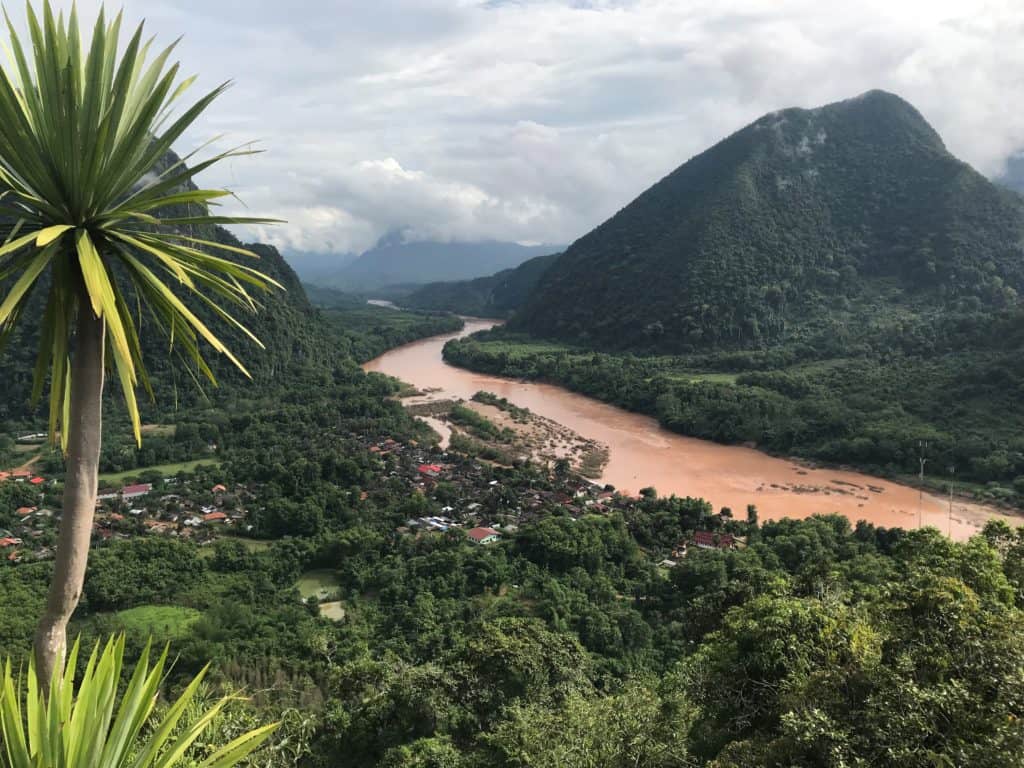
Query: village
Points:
[461, 494]
[487, 502]
[180, 507]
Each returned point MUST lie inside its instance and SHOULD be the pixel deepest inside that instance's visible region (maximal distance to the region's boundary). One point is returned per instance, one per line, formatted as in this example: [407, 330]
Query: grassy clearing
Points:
[159, 430]
[334, 611]
[672, 367]
[162, 622]
[717, 378]
[319, 584]
[253, 545]
[167, 470]
[714, 378]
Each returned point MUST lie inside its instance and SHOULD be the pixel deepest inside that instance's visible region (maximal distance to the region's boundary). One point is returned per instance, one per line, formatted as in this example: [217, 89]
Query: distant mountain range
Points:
[396, 262]
[495, 296]
[822, 217]
[1013, 176]
[312, 266]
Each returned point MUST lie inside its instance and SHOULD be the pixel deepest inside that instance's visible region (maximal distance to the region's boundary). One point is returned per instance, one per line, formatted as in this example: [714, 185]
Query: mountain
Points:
[498, 295]
[1013, 176]
[805, 218]
[394, 262]
[311, 266]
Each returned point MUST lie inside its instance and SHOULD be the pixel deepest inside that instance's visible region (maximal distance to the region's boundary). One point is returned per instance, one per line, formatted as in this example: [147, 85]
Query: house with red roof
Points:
[135, 491]
[37, 480]
[218, 488]
[24, 511]
[709, 540]
[430, 470]
[483, 535]
[10, 541]
[215, 517]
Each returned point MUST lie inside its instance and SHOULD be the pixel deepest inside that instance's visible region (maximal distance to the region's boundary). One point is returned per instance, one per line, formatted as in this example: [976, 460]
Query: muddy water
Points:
[643, 454]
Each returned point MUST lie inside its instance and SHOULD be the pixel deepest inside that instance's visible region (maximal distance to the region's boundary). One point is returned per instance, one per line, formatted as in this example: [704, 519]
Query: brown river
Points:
[643, 454]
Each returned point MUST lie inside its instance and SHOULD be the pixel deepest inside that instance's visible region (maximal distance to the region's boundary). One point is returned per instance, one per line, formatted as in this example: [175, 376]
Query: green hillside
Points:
[802, 218]
[495, 296]
[287, 325]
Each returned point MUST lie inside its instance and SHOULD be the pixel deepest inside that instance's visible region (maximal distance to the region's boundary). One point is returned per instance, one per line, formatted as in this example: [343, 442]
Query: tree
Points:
[640, 727]
[82, 133]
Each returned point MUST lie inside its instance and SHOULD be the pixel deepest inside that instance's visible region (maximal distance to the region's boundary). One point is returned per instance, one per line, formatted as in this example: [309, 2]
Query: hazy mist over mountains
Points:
[396, 261]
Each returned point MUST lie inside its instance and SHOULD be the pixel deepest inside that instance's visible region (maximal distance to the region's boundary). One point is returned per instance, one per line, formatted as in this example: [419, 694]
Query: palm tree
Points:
[82, 128]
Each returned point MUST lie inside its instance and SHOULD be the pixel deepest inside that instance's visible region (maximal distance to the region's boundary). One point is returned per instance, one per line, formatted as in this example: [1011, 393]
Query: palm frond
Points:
[83, 726]
[84, 122]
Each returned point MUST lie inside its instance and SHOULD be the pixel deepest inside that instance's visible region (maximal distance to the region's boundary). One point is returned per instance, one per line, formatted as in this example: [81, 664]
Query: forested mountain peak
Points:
[804, 216]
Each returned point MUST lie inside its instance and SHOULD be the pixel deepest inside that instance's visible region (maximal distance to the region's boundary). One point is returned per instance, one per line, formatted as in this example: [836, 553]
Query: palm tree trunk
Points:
[80, 488]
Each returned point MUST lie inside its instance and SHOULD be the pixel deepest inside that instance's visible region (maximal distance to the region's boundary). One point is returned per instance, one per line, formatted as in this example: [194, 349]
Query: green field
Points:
[317, 584]
[333, 611]
[168, 470]
[162, 622]
[714, 378]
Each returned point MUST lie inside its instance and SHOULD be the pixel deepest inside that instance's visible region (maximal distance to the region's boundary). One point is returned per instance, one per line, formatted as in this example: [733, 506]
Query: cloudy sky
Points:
[534, 120]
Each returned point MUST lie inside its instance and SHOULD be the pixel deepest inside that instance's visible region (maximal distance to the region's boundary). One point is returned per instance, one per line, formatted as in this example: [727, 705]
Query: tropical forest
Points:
[342, 458]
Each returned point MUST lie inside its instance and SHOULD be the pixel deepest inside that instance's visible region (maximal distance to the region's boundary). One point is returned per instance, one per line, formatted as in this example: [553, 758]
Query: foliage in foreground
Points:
[84, 726]
[82, 135]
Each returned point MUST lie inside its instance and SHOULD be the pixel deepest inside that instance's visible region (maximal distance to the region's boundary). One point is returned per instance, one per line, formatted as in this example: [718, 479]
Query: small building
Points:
[219, 488]
[215, 517]
[430, 470]
[24, 511]
[37, 480]
[483, 535]
[135, 491]
[710, 540]
[10, 541]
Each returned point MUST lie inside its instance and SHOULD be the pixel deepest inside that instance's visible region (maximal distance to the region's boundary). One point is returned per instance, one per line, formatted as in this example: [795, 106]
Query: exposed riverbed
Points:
[643, 454]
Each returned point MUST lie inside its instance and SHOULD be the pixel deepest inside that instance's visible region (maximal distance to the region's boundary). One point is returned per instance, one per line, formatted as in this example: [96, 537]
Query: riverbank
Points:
[643, 454]
[859, 411]
[498, 435]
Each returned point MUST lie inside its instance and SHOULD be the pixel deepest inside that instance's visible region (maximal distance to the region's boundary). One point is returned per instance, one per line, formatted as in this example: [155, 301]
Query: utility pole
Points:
[952, 480]
[922, 447]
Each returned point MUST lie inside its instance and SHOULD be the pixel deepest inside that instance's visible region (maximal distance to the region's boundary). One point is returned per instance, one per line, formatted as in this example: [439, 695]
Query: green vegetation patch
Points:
[167, 470]
[480, 426]
[318, 584]
[162, 622]
[366, 331]
[489, 398]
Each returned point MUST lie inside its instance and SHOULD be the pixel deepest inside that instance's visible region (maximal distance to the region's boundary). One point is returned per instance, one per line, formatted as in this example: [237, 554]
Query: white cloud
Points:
[534, 120]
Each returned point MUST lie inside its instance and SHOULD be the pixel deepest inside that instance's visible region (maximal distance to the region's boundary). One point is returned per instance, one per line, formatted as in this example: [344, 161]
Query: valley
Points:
[643, 454]
[658, 512]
